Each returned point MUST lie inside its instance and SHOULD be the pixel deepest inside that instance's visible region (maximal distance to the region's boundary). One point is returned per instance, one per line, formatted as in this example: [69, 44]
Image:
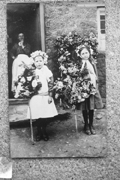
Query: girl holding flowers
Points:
[42, 105]
[94, 101]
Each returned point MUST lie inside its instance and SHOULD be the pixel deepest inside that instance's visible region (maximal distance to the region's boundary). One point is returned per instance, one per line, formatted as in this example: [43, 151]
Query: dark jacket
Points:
[16, 50]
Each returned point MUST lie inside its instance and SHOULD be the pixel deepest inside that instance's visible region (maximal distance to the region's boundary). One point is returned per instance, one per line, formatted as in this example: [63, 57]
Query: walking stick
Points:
[31, 126]
[76, 121]
[60, 102]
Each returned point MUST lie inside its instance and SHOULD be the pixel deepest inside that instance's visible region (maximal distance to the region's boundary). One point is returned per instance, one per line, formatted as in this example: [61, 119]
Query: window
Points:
[102, 24]
[101, 28]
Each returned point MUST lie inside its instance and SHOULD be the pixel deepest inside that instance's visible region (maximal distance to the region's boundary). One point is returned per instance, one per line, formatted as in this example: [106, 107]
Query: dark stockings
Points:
[41, 129]
[91, 115]
[88, 128]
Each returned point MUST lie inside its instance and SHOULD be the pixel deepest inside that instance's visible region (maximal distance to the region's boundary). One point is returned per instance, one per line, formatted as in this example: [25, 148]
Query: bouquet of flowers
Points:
[27, 84]
[74, 85]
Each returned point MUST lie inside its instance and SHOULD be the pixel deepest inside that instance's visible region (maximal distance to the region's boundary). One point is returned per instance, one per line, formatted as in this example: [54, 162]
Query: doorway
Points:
[22, 18]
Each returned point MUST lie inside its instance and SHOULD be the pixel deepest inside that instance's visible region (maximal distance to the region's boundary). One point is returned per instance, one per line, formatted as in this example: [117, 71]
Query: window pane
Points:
[102, 31]
[102, 24]
[102, 17]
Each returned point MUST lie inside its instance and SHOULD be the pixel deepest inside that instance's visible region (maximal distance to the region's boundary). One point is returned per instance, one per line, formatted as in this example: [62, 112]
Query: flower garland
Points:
[74, 85]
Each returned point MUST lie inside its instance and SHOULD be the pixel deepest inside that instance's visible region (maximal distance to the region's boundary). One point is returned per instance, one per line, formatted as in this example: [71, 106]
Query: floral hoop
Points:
[40, 53]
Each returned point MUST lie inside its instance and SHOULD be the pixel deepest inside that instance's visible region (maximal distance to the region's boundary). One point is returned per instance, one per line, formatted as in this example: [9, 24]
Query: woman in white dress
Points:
[42, 104]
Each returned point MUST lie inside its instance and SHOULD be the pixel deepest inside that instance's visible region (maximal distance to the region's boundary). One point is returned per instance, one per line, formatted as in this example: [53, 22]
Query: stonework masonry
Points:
[62, 18]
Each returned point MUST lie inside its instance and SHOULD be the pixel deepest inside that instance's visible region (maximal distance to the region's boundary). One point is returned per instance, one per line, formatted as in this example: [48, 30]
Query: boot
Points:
[86, 126]
[39, 134]
[91, 115]
[39, 131]
[44, 133]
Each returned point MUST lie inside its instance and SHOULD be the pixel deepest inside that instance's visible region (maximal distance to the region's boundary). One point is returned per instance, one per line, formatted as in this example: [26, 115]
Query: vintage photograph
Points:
[57, 79]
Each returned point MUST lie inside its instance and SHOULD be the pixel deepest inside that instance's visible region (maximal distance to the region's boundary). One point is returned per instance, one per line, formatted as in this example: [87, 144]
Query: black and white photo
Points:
[57, 79]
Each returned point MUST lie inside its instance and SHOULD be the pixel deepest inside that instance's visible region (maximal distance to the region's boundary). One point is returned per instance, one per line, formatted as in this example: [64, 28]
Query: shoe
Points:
[92, 130]
[87, 130]
[45, 137]
[39, 134]
[44, 134]
[38, 137]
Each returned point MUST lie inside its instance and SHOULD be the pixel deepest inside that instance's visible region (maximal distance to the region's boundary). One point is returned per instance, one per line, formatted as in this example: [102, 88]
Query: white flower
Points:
[56, 96]
[91, 51]
[60, 85]
[17, 90]
[34, 83]
[29, 78]
[22, 80]
[62, 67]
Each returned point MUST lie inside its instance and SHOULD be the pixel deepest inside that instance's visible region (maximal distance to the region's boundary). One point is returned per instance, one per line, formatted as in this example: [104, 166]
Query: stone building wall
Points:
[62, 18]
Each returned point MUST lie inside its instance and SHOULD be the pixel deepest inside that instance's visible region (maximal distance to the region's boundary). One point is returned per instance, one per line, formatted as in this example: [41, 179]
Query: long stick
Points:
[31, 127]
[76, 123]
[60, 102]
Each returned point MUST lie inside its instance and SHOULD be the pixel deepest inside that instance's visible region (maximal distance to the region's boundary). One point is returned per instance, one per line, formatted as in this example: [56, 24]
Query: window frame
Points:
[100, 11]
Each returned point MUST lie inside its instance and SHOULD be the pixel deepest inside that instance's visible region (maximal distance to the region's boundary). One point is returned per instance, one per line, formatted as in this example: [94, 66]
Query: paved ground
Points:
[64, 140]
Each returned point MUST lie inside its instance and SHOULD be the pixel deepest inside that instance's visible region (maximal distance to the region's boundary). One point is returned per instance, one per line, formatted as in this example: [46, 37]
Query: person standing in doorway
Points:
[21, 47]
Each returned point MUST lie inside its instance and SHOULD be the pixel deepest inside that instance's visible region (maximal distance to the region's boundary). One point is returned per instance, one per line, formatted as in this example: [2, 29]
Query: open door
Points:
[24, 18]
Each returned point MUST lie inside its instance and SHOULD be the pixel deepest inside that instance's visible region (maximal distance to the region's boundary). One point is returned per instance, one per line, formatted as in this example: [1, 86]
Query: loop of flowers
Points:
[73, 85]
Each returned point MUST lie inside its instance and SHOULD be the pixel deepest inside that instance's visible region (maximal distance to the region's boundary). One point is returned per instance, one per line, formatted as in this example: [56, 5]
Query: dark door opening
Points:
[22, 18]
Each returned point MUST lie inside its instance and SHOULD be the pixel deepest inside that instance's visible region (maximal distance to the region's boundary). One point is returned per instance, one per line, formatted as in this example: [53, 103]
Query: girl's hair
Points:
[88, 49]
[41, 54]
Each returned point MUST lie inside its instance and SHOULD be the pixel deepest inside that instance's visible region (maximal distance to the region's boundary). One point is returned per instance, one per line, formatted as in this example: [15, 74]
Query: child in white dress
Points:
[42, 104]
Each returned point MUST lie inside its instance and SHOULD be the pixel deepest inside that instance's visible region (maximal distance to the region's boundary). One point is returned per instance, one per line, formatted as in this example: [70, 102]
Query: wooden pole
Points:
[42, 26]
[31, 126]
[76, 123]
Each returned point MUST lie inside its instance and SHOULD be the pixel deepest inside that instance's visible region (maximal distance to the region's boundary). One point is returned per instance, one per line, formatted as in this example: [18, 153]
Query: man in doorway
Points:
[21, 47]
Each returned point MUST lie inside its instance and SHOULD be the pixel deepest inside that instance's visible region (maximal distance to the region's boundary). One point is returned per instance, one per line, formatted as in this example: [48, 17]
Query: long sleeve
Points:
[50, 86]
[50, 81]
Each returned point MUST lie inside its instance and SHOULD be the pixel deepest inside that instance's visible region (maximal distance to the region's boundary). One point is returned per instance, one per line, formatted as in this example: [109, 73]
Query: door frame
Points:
[42, 25]
[100, 11]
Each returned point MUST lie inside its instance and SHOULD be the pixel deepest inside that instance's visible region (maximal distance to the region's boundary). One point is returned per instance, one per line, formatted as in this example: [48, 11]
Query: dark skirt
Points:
[93, 102]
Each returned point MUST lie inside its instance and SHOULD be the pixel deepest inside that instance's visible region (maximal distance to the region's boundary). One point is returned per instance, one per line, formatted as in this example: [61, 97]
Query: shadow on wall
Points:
[101, 66]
